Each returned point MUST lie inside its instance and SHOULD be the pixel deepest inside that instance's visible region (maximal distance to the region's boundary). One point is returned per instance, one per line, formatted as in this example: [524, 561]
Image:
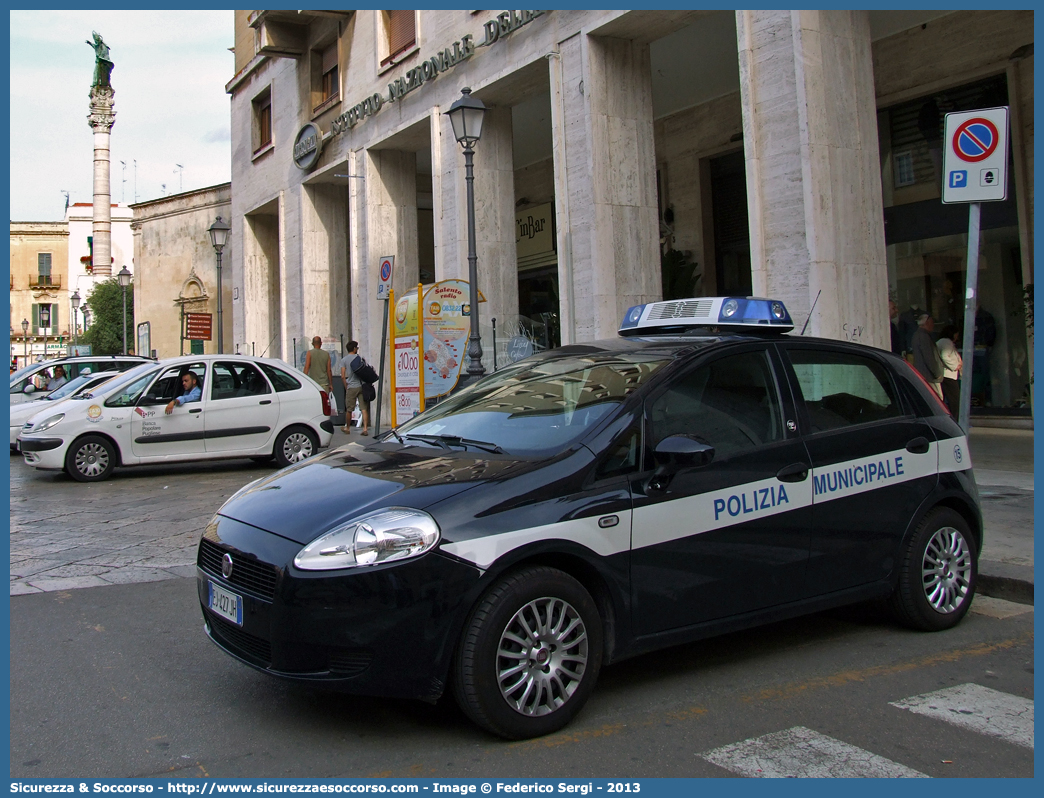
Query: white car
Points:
[25, 381]
[249, 407]
[21, 413]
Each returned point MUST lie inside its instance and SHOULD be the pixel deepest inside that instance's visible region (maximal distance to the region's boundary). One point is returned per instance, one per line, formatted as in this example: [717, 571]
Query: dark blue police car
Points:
[701, 473]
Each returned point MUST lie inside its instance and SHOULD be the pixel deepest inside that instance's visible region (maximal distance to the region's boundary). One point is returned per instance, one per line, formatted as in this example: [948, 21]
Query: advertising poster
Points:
[406, 359]
[447, 322]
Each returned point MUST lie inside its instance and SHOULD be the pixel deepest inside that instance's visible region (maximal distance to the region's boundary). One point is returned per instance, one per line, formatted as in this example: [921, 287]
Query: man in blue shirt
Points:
[193, 393]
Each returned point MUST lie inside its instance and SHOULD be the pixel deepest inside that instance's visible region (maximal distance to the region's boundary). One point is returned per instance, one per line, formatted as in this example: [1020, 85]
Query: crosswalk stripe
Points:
[980, 709]
[803, 753]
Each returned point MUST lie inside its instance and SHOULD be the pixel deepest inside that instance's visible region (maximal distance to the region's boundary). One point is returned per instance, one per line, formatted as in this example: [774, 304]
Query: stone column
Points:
[494, 220]
[604, 155]
[101, 119]
[813, 169]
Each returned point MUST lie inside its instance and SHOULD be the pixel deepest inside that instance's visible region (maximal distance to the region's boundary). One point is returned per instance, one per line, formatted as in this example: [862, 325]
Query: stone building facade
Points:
[176, 271]
[784, 153]
[39, 279]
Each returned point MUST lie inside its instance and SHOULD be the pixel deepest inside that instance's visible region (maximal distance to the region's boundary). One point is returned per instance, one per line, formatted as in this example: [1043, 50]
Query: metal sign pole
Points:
[968, 347]
[380, 382]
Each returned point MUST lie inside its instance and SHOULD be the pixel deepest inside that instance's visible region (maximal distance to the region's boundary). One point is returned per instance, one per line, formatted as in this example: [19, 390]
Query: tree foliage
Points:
[105, 334]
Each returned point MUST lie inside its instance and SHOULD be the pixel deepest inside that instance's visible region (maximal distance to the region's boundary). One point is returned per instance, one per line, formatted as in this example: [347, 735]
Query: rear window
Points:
[280, 380]
[842, 389]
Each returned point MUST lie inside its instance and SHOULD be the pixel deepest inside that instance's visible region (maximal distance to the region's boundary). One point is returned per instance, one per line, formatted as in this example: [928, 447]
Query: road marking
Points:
[979, 709]
[803, 753]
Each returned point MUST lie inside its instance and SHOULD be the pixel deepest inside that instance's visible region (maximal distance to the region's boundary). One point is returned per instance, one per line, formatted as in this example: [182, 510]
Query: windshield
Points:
[71, 387]
[123, 390]
[539, 407]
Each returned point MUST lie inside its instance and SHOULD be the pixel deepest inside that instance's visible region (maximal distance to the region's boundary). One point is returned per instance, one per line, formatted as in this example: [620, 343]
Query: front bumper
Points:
[47, 454]
[387, 631]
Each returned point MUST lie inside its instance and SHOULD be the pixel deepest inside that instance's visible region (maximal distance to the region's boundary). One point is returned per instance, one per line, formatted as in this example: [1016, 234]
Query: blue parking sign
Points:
[959, 178]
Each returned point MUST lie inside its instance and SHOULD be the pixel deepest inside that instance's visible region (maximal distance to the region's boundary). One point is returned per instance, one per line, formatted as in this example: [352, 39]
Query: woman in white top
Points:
[951, 359]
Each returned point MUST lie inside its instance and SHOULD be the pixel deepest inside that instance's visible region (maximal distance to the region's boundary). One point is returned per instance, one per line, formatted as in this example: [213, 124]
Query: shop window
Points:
[263, 120]
[43, 266]
[400, 30]
[325, 81]
[904, 169]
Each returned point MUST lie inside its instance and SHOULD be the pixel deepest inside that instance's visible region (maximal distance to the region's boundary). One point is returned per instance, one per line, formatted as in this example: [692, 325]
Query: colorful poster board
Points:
[406, 359]
[447, 323]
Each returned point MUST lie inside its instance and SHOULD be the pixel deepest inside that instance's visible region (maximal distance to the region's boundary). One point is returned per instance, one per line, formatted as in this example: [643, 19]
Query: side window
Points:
[842, 389]
[168, 385]
[622, 456]
[231, 380]
[280, 379]
[731, 403]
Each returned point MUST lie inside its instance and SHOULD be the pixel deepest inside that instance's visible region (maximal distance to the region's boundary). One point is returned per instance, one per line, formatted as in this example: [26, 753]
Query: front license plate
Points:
[227, 605]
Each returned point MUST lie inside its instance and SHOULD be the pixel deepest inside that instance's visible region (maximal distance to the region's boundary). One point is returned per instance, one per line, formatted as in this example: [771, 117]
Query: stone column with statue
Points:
[101, 119]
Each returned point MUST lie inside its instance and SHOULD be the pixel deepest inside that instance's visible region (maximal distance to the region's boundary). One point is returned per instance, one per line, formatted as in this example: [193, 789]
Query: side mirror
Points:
[30, 388]
[682, 451]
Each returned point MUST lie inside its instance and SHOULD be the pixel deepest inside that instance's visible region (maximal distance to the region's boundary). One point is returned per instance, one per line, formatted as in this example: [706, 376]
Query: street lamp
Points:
[218, 238]
[75, 299]
[124, 276]
[466, 117]
[25, 339]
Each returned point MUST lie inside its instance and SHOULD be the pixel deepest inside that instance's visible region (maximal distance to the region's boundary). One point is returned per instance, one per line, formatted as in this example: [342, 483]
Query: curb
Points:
[1005, 581]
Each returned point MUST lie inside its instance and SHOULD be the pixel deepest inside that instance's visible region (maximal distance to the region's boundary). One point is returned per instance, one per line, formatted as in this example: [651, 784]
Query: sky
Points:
[170, 72]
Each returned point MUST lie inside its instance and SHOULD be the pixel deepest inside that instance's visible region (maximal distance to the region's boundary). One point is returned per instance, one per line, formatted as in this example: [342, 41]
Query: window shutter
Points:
[330, 58]
[402, 32]
[54, 317]
[43, 262]
[36, 318]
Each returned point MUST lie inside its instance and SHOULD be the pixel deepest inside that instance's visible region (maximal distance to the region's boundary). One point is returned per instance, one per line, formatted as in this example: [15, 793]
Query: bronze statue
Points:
[102, 64]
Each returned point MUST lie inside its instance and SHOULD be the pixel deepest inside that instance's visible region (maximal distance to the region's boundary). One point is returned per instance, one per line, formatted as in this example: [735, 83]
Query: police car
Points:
[701, 473]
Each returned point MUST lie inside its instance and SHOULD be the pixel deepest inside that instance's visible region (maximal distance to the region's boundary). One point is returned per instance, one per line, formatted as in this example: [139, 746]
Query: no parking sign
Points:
[975, 163]
[384, 274]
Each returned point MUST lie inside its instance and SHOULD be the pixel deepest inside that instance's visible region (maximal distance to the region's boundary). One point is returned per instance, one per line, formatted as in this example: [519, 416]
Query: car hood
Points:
[23, 412]
[304, 501]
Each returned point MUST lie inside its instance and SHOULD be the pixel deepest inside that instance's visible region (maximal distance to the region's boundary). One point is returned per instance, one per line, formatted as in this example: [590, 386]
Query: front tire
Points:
[90, 459]
[937, 574]
[293, 445]
[530, 654]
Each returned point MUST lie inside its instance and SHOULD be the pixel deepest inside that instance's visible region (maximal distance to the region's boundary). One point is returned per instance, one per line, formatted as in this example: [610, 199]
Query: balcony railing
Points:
[45, 281]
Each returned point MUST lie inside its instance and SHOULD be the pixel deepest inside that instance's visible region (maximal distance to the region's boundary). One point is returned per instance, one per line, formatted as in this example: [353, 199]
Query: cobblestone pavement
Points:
[141, 525]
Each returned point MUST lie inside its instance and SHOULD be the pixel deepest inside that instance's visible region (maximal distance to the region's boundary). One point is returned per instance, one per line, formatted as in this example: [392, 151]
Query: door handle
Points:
[792, 473]
[918, 446]
[265, 402]
[197, 410]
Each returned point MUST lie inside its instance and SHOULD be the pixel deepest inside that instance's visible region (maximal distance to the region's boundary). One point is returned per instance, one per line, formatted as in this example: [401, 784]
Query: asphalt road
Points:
[120, 681]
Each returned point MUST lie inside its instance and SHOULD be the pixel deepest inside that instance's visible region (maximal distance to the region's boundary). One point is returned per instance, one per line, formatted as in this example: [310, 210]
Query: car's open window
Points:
[731, 403]
[841, 389]
[168, 385]
[538, 407]
[232, 380]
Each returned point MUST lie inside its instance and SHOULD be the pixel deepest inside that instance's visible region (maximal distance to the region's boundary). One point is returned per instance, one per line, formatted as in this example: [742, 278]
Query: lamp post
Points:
[466, 117]
[124, 277]
[75, 300]
[218, 238]
[25, 340]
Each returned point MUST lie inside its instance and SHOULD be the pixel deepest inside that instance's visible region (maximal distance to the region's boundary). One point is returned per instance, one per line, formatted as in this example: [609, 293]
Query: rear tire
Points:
[293, 445]
[937, 574]
[90, 459]
[530, 654]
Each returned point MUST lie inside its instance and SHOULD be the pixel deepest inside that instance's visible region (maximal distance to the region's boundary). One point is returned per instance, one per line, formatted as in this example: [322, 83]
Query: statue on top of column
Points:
[102, 64]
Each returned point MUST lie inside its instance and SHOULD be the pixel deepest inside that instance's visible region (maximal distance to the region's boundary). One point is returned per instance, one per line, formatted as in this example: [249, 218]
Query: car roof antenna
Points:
[810, 312]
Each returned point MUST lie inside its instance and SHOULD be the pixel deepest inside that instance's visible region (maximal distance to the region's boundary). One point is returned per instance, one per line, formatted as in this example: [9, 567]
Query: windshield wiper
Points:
[398, 437]
[445, 441]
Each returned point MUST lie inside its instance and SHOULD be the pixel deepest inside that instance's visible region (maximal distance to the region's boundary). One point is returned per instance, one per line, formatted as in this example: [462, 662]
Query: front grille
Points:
[350, 663]
[256, 577]
[243, 643]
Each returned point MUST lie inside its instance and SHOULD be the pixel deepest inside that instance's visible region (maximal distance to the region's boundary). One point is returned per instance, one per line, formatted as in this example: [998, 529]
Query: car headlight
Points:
[389, 535]
[47, 423]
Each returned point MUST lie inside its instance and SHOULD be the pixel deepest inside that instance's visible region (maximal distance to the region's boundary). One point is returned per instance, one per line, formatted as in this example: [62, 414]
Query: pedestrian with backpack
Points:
[359, 377]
